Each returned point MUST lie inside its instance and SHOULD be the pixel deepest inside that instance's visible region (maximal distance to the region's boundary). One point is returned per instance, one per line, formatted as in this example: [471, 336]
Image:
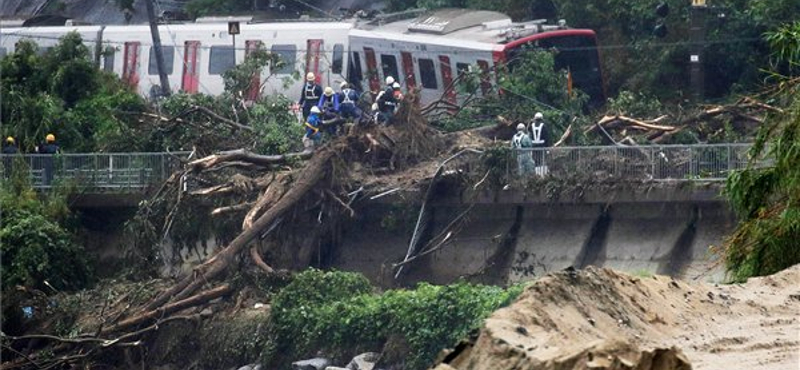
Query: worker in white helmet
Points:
[313, 123]
[310, 95]
[539, 137]
[522, 145]
[348, 102]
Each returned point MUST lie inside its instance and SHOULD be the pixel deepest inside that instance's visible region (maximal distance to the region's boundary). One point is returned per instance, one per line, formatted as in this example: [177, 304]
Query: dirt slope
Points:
[602, 319]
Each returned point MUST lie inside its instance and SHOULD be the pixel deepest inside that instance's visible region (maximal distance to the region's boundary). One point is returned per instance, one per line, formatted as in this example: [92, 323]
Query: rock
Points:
[364, 361]
[312, 364]
[335, 368]
[246, 367]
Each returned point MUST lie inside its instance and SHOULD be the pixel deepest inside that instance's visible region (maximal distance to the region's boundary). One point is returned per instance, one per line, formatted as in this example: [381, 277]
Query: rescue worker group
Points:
[325, 111]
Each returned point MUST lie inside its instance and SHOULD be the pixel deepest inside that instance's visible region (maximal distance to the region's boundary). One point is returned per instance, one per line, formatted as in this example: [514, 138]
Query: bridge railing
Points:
[100, 172]
[702, 162]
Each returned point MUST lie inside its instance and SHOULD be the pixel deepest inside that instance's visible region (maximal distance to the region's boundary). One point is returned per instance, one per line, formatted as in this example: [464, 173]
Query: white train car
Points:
[197, 55]
[431, 51]
[428, 52]
[47, 37]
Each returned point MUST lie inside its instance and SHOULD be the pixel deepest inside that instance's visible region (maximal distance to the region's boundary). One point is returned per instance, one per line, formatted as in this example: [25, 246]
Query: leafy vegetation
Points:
[768, 198]
[338, 314]
[35, 241]
[61, 92]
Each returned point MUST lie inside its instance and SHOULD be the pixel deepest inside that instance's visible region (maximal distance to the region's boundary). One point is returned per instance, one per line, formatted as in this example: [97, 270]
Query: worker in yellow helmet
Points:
[10, 146]
[49, 147]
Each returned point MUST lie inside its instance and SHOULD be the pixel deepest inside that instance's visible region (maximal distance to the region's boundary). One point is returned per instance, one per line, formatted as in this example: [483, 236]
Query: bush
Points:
[36, 249]
[335, 313]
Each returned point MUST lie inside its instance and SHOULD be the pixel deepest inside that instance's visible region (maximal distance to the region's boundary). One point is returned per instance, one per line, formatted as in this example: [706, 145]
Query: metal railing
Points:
[94, 172]
[702, 162]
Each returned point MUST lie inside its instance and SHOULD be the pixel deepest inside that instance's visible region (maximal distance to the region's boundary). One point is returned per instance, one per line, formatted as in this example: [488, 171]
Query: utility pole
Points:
[162, 74]
[697, 33]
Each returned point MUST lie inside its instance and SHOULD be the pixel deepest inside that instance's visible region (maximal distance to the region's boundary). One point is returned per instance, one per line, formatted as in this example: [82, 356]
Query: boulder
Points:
[311, 364]
[364, 361]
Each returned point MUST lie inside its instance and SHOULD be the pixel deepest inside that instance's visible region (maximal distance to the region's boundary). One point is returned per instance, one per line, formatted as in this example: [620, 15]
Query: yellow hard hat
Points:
[328, 91]
[50, 138]
[310, 76]
[10, 140]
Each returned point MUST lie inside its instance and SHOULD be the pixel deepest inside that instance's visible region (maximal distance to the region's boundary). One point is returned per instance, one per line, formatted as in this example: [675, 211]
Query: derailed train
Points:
[426, 52]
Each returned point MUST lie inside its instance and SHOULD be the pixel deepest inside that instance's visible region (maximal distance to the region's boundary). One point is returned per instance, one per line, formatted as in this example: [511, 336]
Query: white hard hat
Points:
[310, 76]
[389, 80]
[538, 115]
[315, 109]
[328, 91]
[343, 85]
[395, 85]
[521, 127]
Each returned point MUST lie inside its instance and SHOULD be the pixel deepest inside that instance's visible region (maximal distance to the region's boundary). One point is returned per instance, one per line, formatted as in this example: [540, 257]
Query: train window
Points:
[44, 50]
[108, 59]
[389, 65]
[338, 58]
[3, 51]
[288, 57]
[462, 68]
[427, 73]
[222, 59]
[355, 64]
[169, 56]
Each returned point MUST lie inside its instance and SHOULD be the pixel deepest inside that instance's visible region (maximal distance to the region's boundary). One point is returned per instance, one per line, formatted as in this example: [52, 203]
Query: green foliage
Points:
[36, 249]
[635, 105]
[768, 200]
[336, 313]
[61, 92]
[785, 42]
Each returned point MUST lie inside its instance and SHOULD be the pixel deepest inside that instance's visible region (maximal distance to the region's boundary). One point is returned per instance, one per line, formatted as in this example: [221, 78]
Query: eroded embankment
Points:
[506, 242]
[602, 319]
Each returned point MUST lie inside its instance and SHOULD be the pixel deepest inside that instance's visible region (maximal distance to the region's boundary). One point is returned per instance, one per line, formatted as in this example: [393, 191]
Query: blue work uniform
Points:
[309, 97]
[312, 126]
[347, 104]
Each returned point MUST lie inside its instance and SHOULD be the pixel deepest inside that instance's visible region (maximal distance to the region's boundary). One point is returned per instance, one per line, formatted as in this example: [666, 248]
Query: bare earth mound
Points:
[603, 319]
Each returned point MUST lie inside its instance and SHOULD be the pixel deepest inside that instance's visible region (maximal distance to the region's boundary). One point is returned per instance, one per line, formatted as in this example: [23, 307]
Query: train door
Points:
[130, 66]
[408, 70]
[255, 82]
[372, 70]
[191, 58]
[314, 48]
[447, 78]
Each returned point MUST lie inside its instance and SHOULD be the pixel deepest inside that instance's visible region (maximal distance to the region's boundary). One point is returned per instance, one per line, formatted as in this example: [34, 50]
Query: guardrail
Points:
[702, 162]
[95, 172]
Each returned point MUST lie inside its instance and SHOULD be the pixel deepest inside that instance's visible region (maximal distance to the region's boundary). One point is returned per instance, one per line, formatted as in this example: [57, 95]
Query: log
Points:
[246, 156]
[312, 174]
[170, 308]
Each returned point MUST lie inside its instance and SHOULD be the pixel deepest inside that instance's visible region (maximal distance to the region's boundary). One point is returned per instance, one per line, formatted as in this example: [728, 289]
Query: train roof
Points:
[465, 25]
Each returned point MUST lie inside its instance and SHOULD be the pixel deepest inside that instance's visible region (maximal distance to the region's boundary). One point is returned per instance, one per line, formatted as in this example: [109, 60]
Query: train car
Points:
[197, 54]
[430, 51]
[47, 37]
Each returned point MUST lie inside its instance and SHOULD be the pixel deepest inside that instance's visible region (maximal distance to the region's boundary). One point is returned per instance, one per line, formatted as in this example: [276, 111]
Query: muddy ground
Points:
[603, 319]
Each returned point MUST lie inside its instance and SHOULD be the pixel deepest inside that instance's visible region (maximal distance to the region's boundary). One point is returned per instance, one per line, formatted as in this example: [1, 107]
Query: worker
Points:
[312, 137]
[397, 94]
[540, 139]
[387, 104]
[389, 84]
[522, 145]
[329, 103]
[49, 147]
[9, 149]
[348, 102]
[310, 95]
[10, 146]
